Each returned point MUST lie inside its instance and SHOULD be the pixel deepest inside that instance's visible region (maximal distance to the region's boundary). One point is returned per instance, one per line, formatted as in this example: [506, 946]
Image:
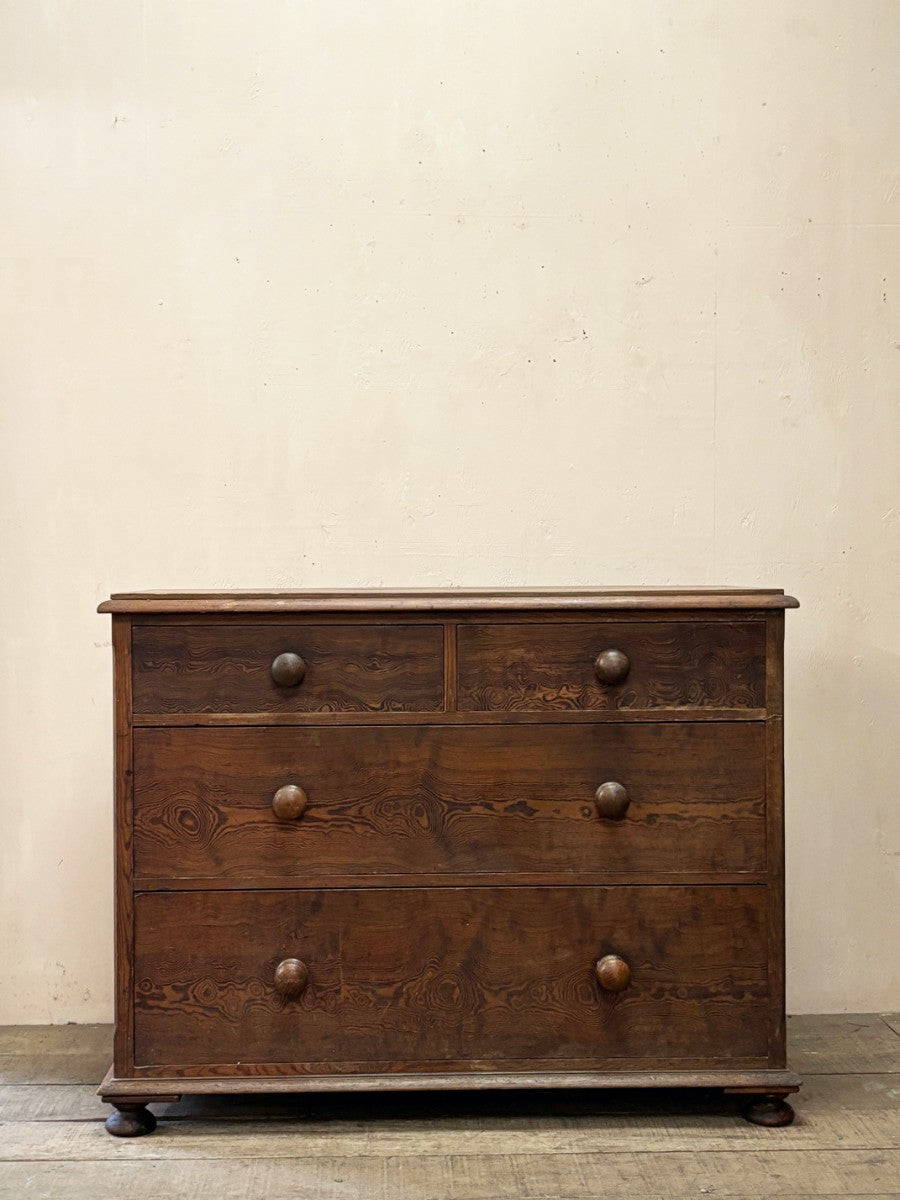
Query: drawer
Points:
[389, 800]
[449, 978]
[559, 666]
[212, 667]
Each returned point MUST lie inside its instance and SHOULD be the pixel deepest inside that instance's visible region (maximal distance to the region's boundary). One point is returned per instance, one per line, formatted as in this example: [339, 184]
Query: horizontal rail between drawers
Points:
[646, 716]
[425, 882]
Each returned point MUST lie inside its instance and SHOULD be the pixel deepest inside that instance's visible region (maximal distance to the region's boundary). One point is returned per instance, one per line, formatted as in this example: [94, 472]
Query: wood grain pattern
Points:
[426, 975]
[836, 1174]
[124, 843]
[446, 881]
[223, 667]
[347, 879]
[481, 1071]
[450, 666]
[444, 799]
[519, 667]
[483, 1143]
[558, 599]
[595, 716]
[149, 1082]
[775, 835]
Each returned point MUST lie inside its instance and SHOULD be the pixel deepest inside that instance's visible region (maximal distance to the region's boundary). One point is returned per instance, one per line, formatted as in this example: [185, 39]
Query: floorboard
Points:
[755, 1173]
[458, 1146]
[848, 1042]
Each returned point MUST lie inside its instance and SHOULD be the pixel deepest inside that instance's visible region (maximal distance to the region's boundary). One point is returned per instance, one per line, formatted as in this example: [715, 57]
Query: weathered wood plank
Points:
[56, 1039]
[54, 1054]
[833, 1110]
[489, 1177]
[834, 1044]
[817, 1045]
[54, 1068]
[838, 1112]
[49, 1102]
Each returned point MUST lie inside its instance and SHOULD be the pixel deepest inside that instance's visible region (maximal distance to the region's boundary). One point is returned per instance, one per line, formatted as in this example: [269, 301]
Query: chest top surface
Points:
[547, 599]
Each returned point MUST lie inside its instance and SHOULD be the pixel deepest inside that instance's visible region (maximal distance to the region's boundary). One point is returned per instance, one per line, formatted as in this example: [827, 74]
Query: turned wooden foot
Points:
[130, 1120]
[771, 1111]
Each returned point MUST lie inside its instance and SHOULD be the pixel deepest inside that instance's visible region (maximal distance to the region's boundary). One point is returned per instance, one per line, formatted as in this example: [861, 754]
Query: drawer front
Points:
[447, 978]
[666, 665]
[449, 799]
[221, 668]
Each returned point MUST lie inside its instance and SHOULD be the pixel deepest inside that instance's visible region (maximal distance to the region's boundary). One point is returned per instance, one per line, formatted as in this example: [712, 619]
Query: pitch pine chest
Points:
[415, 839]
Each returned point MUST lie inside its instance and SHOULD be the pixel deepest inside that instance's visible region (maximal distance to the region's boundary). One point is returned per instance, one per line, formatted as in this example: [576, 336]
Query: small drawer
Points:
[636, 665]
[569, 801]
[215, 667]
[435, 979]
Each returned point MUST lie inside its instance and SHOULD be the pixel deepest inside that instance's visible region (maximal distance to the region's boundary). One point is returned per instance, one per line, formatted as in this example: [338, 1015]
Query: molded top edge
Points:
[447, 599]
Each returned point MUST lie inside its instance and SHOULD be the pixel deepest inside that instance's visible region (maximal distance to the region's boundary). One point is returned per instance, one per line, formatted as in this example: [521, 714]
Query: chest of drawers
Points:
[460, 839]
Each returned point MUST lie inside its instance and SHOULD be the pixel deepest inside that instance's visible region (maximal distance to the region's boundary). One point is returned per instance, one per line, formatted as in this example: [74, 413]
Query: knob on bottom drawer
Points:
[291, 977]
[613, 973]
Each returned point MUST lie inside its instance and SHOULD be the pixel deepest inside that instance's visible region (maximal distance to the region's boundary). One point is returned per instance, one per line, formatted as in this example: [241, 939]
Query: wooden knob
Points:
[289, 802]
[291, 977]
[612, 800]
[612, 666]
[613, 973]
[288, 670]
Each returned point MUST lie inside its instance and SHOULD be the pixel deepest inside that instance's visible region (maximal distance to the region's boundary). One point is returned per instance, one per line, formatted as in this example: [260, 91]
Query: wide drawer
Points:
[388, 800]
[449, 978]
[558, 666]
[215, 667]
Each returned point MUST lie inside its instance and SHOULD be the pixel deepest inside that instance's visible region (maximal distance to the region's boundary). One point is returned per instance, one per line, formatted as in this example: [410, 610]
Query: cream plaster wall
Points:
[421, 292]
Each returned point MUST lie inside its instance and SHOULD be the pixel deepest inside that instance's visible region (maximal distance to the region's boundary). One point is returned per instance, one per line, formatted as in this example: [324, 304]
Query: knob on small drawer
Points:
[288, 669]
[289, 802]
[291, 977]
[612, 666]
[613, 973]
[612, 800]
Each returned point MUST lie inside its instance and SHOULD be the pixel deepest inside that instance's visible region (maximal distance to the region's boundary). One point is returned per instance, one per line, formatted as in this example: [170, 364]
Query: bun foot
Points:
[770, 1111]
[130, 1120]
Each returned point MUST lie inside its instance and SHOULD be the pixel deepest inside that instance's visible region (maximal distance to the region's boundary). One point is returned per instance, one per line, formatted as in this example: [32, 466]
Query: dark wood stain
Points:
[164, 1084]
[551, 667]
[595, 716]
[409, 600]
[445, 799]
[428, 975]
[775, 836]
[124, 830]
[228, 668]
[406, 834]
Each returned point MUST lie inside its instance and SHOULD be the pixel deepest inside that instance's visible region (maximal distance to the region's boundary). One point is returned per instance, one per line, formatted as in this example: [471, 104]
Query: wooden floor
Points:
[456, 1146]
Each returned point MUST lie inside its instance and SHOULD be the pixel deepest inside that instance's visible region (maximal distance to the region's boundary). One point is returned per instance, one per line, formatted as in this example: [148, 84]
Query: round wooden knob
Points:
[612, 666]
[613, 973]
[612, 800]
[291, 977]
[288, 669]
[289, 802]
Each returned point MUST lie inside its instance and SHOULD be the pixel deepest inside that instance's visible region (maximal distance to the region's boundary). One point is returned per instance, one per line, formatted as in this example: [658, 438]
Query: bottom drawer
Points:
[449, 978]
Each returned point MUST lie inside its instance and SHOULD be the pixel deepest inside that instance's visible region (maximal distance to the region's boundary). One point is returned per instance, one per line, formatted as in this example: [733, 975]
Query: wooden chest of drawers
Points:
[372, 840]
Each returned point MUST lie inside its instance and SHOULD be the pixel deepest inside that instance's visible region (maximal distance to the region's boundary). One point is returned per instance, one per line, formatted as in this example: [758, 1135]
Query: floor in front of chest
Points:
[456, 1146]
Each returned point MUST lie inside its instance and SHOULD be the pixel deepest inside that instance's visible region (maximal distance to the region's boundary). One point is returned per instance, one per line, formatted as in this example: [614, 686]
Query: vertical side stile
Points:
[124, 897]
[775, 833]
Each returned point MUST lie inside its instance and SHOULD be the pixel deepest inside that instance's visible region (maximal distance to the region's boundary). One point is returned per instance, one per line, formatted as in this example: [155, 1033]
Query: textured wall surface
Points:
[419, 292]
